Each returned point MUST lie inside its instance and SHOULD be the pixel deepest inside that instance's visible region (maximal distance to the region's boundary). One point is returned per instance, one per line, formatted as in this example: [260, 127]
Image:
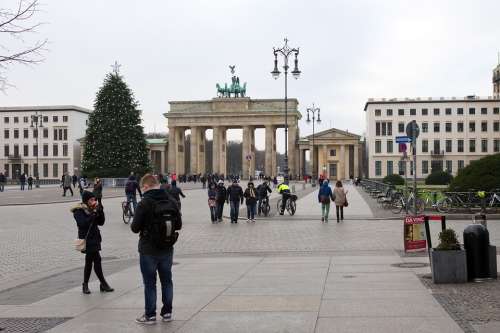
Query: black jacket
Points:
[143, 216]
[221, 193]
[262, 191]
[176, 193]
[86, 219]
[250, 198]
[235, 193]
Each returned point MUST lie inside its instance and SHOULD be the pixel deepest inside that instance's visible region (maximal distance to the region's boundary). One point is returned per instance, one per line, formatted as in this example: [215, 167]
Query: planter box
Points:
[449, 266]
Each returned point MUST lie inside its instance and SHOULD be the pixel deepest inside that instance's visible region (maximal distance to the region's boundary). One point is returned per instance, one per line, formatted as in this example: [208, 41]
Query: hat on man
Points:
[86, 196]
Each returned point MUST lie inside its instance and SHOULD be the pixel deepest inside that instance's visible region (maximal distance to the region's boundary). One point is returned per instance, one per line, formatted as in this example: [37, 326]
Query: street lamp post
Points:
[286, 51]
[36, 123]
[313, 111]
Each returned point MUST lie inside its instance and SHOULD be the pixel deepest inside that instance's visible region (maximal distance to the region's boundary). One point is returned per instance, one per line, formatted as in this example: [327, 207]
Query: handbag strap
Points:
[88, 231]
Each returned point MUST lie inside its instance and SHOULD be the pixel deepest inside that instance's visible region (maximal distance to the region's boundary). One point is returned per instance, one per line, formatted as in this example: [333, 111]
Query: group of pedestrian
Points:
[338, 196]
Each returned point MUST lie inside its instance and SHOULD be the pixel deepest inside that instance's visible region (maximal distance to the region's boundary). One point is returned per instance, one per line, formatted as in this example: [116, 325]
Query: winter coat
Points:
[212, 193]
[340, 196]
[3, 179]
[325, 191]
[143, 216]
[22, 178]
[85, 219]
[262, 191]
[235, 193]
[221, 193]
[98, 190]
[176, 193]
[250, 196]
[67, 181]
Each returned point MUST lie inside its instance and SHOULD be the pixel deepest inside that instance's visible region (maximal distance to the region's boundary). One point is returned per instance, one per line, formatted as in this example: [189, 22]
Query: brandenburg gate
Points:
[223, 113]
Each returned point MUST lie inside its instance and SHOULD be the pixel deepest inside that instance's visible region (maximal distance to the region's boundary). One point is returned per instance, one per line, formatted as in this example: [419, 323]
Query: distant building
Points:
[56, 142]
[158, 153]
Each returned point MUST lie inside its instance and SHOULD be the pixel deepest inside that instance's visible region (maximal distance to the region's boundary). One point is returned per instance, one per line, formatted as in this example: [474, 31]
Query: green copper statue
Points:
[235, 89]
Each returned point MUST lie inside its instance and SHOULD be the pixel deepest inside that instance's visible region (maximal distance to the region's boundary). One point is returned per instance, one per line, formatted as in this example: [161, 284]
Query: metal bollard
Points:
[477, 243]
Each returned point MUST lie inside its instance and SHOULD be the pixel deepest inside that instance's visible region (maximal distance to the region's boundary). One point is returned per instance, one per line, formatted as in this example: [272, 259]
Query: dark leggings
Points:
[341, 212]
[93, 258]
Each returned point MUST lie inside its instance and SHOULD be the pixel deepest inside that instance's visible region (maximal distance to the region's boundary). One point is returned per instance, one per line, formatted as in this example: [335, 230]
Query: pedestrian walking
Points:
[30, 183]
[89, 216]
[82, 184]
[22, 181]
[3, 180]
[234, 198]
[340, 200]
[66, 183]
[221, 196]
[157, 220]
[251, 201]
[97, 190]
[212, 202]
[325, 194]
[176, 192]
[74, 180]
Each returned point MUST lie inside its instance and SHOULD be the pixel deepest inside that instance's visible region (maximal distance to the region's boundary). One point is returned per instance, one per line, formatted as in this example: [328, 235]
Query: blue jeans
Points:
[132, 197]
[251, 210]
[235, 208]
[149, 266]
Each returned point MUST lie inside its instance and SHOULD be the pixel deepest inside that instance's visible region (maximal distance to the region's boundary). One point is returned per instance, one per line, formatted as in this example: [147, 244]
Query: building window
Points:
[65, 168]
[35, 169]
[55, 149]
[496, 145]
[377, 128]
[46, 133]
[436, 112]
[55, 134]
[447, 127]
[26, 120]
[472, 146]
[6, 134]
[484, 110]
[35, 150]
[65, 150]
[496, 126]
[472, 111]
[333, 152]
[16, 150]
[472, 126]
[26, 150]
[378, 112]
[449, 166]
[401, 112]
[425, 112]
[65, 119]
[461, 164]
[390, 170]
[65, 134]
[437, 146]
[448, 146]
[55, 170]
[6, 150]
[378, 168]
[389, 112]
[484, 126]
[45, 170]
[55, 119]
[389, 146]
[45, 119]
[45, 149]
[425, 167]
[16, 120]
[413, 112]
[402, 168]
[26, 133]
[436, 127]
[425, 146]
[460, 127]
[484, 145]
[6, 120]
[16, 133]
[401, 127]
[460, 146]
[496, 110]
[448, 111]
[460, 111]
[389, 128]
[35, 133]
[425, 127]
[378, 146]
[384, 128]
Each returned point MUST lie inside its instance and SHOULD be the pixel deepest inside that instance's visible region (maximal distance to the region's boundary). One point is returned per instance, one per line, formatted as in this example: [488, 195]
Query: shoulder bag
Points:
[81, 244]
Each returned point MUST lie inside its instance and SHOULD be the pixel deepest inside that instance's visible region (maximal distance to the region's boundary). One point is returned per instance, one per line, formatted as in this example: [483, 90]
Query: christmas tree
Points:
[115, 143]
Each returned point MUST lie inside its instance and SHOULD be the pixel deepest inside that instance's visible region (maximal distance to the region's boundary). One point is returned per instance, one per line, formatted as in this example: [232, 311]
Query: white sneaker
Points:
[166, 317]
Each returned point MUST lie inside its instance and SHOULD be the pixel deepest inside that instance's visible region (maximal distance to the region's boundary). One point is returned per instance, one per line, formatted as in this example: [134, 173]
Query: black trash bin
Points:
[477, 242]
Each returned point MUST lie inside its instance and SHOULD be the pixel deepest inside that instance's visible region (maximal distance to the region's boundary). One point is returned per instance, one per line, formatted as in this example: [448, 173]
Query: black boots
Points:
[85, 288]
[105, 288]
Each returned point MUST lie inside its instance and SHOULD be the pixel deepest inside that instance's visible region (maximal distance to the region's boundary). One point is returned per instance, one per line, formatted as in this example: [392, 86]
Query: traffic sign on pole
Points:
[403, 139]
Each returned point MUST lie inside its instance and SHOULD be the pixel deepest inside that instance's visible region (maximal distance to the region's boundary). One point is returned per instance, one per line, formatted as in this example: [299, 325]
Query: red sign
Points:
[414, 234]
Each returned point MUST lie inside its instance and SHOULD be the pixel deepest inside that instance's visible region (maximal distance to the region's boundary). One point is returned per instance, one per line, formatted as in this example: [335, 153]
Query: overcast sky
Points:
[177, 50]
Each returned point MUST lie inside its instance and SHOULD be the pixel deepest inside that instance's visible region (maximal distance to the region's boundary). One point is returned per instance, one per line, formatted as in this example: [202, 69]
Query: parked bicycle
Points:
[290, 204]
[407, 203]
[454, 201]
[127, 211]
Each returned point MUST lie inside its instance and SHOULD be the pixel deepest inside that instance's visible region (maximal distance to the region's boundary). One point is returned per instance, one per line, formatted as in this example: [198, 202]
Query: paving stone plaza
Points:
[281, 274]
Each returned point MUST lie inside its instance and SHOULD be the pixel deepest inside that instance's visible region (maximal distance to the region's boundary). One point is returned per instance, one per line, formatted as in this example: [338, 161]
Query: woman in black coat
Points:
[88, 216]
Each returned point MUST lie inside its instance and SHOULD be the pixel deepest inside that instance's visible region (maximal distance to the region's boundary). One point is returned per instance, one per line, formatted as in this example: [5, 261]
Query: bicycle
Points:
[264, 206]
[456, 200]
[290, 204]
[408, 203]
[494, 200]
[127, 211]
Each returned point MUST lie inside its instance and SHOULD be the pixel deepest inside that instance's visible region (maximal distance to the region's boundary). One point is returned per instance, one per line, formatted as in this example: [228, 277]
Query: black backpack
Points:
[166, 220]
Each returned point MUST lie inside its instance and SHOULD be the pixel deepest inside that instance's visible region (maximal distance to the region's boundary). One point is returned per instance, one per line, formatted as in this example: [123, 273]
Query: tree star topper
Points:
[116, 67]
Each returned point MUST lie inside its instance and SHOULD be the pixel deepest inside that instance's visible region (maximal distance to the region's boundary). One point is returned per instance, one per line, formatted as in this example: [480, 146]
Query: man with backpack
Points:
[157, 220]
[131, 189]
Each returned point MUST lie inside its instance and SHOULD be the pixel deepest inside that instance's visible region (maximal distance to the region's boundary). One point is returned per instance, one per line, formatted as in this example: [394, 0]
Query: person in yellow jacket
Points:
[284, 190]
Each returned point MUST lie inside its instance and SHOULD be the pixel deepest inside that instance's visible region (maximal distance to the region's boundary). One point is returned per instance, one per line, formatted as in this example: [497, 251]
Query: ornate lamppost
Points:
[286, 51]
[313, 110]
[36, 123]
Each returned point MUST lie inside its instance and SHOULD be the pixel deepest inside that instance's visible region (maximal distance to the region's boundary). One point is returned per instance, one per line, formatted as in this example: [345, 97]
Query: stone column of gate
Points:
[193, 169]
[252, 151]
[172, 150]
[347, 172]
[268, 166]
[179, 147]
[245, 164]
[341, 171]
[223, 151]
[292, 150]
[162, 161]
[201, 151]
[356, 162]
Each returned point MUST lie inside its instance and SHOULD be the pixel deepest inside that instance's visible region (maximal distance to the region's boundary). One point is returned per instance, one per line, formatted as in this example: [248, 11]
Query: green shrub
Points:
[393, 179]
[482, 174]
[448, 240]
[439, 178]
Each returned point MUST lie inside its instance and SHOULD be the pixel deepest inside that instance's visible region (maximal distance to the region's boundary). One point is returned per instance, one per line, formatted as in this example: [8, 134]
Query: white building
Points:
[56, 145]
